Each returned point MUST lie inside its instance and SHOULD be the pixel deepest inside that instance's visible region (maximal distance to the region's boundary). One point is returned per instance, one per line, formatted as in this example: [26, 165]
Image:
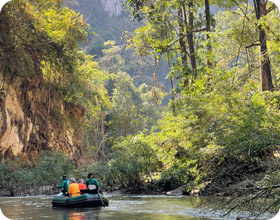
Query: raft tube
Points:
[84, 200]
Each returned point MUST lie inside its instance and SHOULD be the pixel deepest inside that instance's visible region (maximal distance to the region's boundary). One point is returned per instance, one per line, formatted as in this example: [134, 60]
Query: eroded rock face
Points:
[15, 128]
[98, 10]
[34, 118]
[113, 7]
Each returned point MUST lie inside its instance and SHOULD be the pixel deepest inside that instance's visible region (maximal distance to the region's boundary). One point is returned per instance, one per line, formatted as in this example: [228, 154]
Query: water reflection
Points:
[77, 214]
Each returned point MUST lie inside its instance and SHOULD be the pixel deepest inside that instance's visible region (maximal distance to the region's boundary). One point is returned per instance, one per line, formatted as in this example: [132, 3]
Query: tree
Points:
[190, 36]
[265, 67]
[133, 108]
[183, 49]
[174, 26]
[208, 29]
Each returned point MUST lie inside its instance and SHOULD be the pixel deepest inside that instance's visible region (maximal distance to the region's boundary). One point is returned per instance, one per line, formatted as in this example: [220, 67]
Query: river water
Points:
[121, 207]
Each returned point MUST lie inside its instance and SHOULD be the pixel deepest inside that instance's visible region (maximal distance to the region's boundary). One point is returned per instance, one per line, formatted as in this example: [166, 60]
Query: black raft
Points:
[84, 200]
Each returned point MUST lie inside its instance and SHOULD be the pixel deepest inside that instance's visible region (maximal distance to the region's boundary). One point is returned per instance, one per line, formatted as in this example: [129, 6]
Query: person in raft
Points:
[64, 185]
[92, 183]
[73, 189]
[82, 185]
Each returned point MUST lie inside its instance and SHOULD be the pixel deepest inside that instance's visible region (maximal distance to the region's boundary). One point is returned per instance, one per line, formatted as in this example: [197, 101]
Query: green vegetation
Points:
[17, 178]
[220, 133]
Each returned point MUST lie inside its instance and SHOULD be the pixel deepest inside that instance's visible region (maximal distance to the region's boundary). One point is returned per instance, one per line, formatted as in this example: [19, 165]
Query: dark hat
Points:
[64, 177]
[89, 175]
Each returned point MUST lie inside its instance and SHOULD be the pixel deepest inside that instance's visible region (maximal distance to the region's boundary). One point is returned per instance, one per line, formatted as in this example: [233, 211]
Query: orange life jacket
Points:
[82, 186]
[74, 190]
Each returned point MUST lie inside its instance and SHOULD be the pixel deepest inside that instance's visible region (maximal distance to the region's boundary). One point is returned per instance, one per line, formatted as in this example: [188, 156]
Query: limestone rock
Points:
[113, 7]
[31, 121]
[179, 191]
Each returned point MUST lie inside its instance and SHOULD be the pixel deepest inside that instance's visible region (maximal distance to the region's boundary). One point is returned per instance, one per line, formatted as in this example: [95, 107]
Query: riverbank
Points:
[52, 190]
[44, 190]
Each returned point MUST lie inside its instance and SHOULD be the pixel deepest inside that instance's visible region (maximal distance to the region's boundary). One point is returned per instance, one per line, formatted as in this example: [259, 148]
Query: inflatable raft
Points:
[84, 200]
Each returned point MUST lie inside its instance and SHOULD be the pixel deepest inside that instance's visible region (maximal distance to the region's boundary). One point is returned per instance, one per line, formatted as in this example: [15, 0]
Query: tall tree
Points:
[208, 29]
[183, 49]
[190, 31]
[265, 67]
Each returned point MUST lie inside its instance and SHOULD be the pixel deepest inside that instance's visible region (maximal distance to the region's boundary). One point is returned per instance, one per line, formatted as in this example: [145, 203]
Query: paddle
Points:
[100, 198]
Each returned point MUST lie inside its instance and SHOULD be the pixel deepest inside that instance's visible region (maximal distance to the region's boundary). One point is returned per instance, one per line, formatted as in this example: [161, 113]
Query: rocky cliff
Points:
[113, 7]
[34, 117]
[91, 7]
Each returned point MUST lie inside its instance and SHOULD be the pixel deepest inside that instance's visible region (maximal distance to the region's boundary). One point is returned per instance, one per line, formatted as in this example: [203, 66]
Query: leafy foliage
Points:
[22, 178]
[133, 109]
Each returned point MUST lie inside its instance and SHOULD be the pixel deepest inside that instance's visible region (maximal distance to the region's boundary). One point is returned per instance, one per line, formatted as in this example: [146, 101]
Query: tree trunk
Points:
[189, 26]
[265, 66]
[183, 49]
[102, 131]
[208, 29]
[172, 85]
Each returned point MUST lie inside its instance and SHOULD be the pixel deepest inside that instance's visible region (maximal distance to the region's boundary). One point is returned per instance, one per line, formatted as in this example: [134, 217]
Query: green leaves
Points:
[46, 172]
[133, 108]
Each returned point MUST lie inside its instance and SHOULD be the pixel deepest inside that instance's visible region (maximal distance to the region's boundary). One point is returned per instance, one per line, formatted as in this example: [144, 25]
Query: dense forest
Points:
[167, 94]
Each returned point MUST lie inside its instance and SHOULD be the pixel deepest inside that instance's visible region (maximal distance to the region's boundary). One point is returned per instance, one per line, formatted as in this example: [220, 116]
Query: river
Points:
[121, 207]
